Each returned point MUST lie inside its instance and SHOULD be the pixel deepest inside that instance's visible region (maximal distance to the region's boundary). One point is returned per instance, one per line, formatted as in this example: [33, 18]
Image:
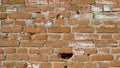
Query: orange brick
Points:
[2, 57]
[106, 36]
[68, 36]
[17, 57]
[10, 29]
[20, 23]
[9, 64]
[56, 44]
[78, 64]
[115, 64]
[63, 50]
[34, 29]
[115, 50]
[28, 9]
[13, 2]
[107, 30]
[19, 15]
[45, 65]
[58, 29]
[90, 50]
[90, 64]
[45, 50]
[59, 22]
[39, 37]
[9, 43]
[21, 50]
[2, 8]
[39, 58]
[101, 57]
[83, 1]
[47, 8]
[34, 50]
[80, 58]
[3, 15]
[82, 29]
[9, 50]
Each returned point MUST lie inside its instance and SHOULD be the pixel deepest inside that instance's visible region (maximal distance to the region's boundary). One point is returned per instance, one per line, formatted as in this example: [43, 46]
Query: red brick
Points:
[9, 43]
[21, 64]
[2, 36]
[60, 22]
[39, 37]
[9, 50]
[61, 64]
[54, 37]
[20, 23]
[1, 51]
[42, 22]
[39, 58]
[80, 58]
[115, 63]
[90, 64]
[13, 1]
[55, 58]
[21, 50]
[58, 29]
[93, 36]
[63, 50]
[78, 64]
[83, 1]
[39, 15]
[82, 29]
[3, 15]
[56, 44]
[12, 37]
[72, 8]
[103, 64]
[2, 8]
[34, 29]
[116, 36]
[72, 22]
[31, 44]
[115, 50]
[90, 50]
[17, 57]
[19, 15]
[10, 29]
[45, 50]
[101, 57]
[24, 37]
[59, 8]
[28, 9]
[2, 57]
[47, 8]
[9, 64]
[85, 8]
[84, 22]
[68, 36]
[107, 30]
[106, 36]
[45, 65]
[103, 50]
[34, 51]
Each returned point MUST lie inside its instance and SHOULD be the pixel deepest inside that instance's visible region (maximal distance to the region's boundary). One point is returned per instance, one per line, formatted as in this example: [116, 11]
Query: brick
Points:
[106, 1]
[21, 64]
[7, 22]
[72, 22]
[83, 2]
[81, 37]
[45, 50]
[39, 16]
[116, 36]
[115, 64]
[72, 8]
[2, 36]
[63, 50]
[10, 29]
[34, 50]
[82, 29]
[3, 15]
[9, 50]
[9, 64]
[13, 1]
[106, 36]
[11, 9]
[56, 44]
[2, 57]
[21, 50]
[19, 15]
[78, 51]
[61, 64]
[2, 8]
[17, 57]
[43, 2]
[115, 50]
[78, 64]
[28, 9]
[103, 64]
[42, 22]
[12, 37]
[47, 8]
[80, 58]
[9, 43]
[90, 51]
[24, 37]
[39, 58]
[31, 44]
[103, 50]
[60, 22]
[39, 37]
[59, 8]
[1, 51]
[58, 29]
[90, 64]
[103, 43]
[107, 30]
[85, 8]
[20, 23]
[34, 29]
[84, 22]
[59, 15]
[54, 37]
[68, 36]
[45, 65]
[101, 57]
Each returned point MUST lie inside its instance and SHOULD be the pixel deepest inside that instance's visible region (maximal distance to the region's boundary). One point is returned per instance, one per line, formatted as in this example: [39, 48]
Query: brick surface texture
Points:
[59, 33]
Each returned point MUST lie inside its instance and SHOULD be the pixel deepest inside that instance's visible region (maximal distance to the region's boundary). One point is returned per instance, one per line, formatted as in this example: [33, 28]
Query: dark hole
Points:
[88, 54]
[77, 12]
[65, 66]
[31, 33]
[65, 55]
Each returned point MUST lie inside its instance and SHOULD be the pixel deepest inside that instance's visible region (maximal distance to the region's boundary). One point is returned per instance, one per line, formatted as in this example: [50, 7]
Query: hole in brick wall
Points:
[65, 66]
[77, 12]
[65, 55]
[31, 33]
[88, 54]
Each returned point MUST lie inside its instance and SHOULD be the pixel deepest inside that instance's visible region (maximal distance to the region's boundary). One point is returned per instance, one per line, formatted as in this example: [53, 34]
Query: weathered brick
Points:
[9, 64]
[13, 1]
[9, 43]
[19, 15]
[39, 37]
[39, 58]
[28, 9]
[115, 63]
[107, 30]
[82, 29]
[3, 15]
[83, 1]
[34, 29]
[10, 29]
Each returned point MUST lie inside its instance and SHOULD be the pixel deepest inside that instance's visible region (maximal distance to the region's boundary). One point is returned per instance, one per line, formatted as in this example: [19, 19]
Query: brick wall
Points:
[59, 33]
